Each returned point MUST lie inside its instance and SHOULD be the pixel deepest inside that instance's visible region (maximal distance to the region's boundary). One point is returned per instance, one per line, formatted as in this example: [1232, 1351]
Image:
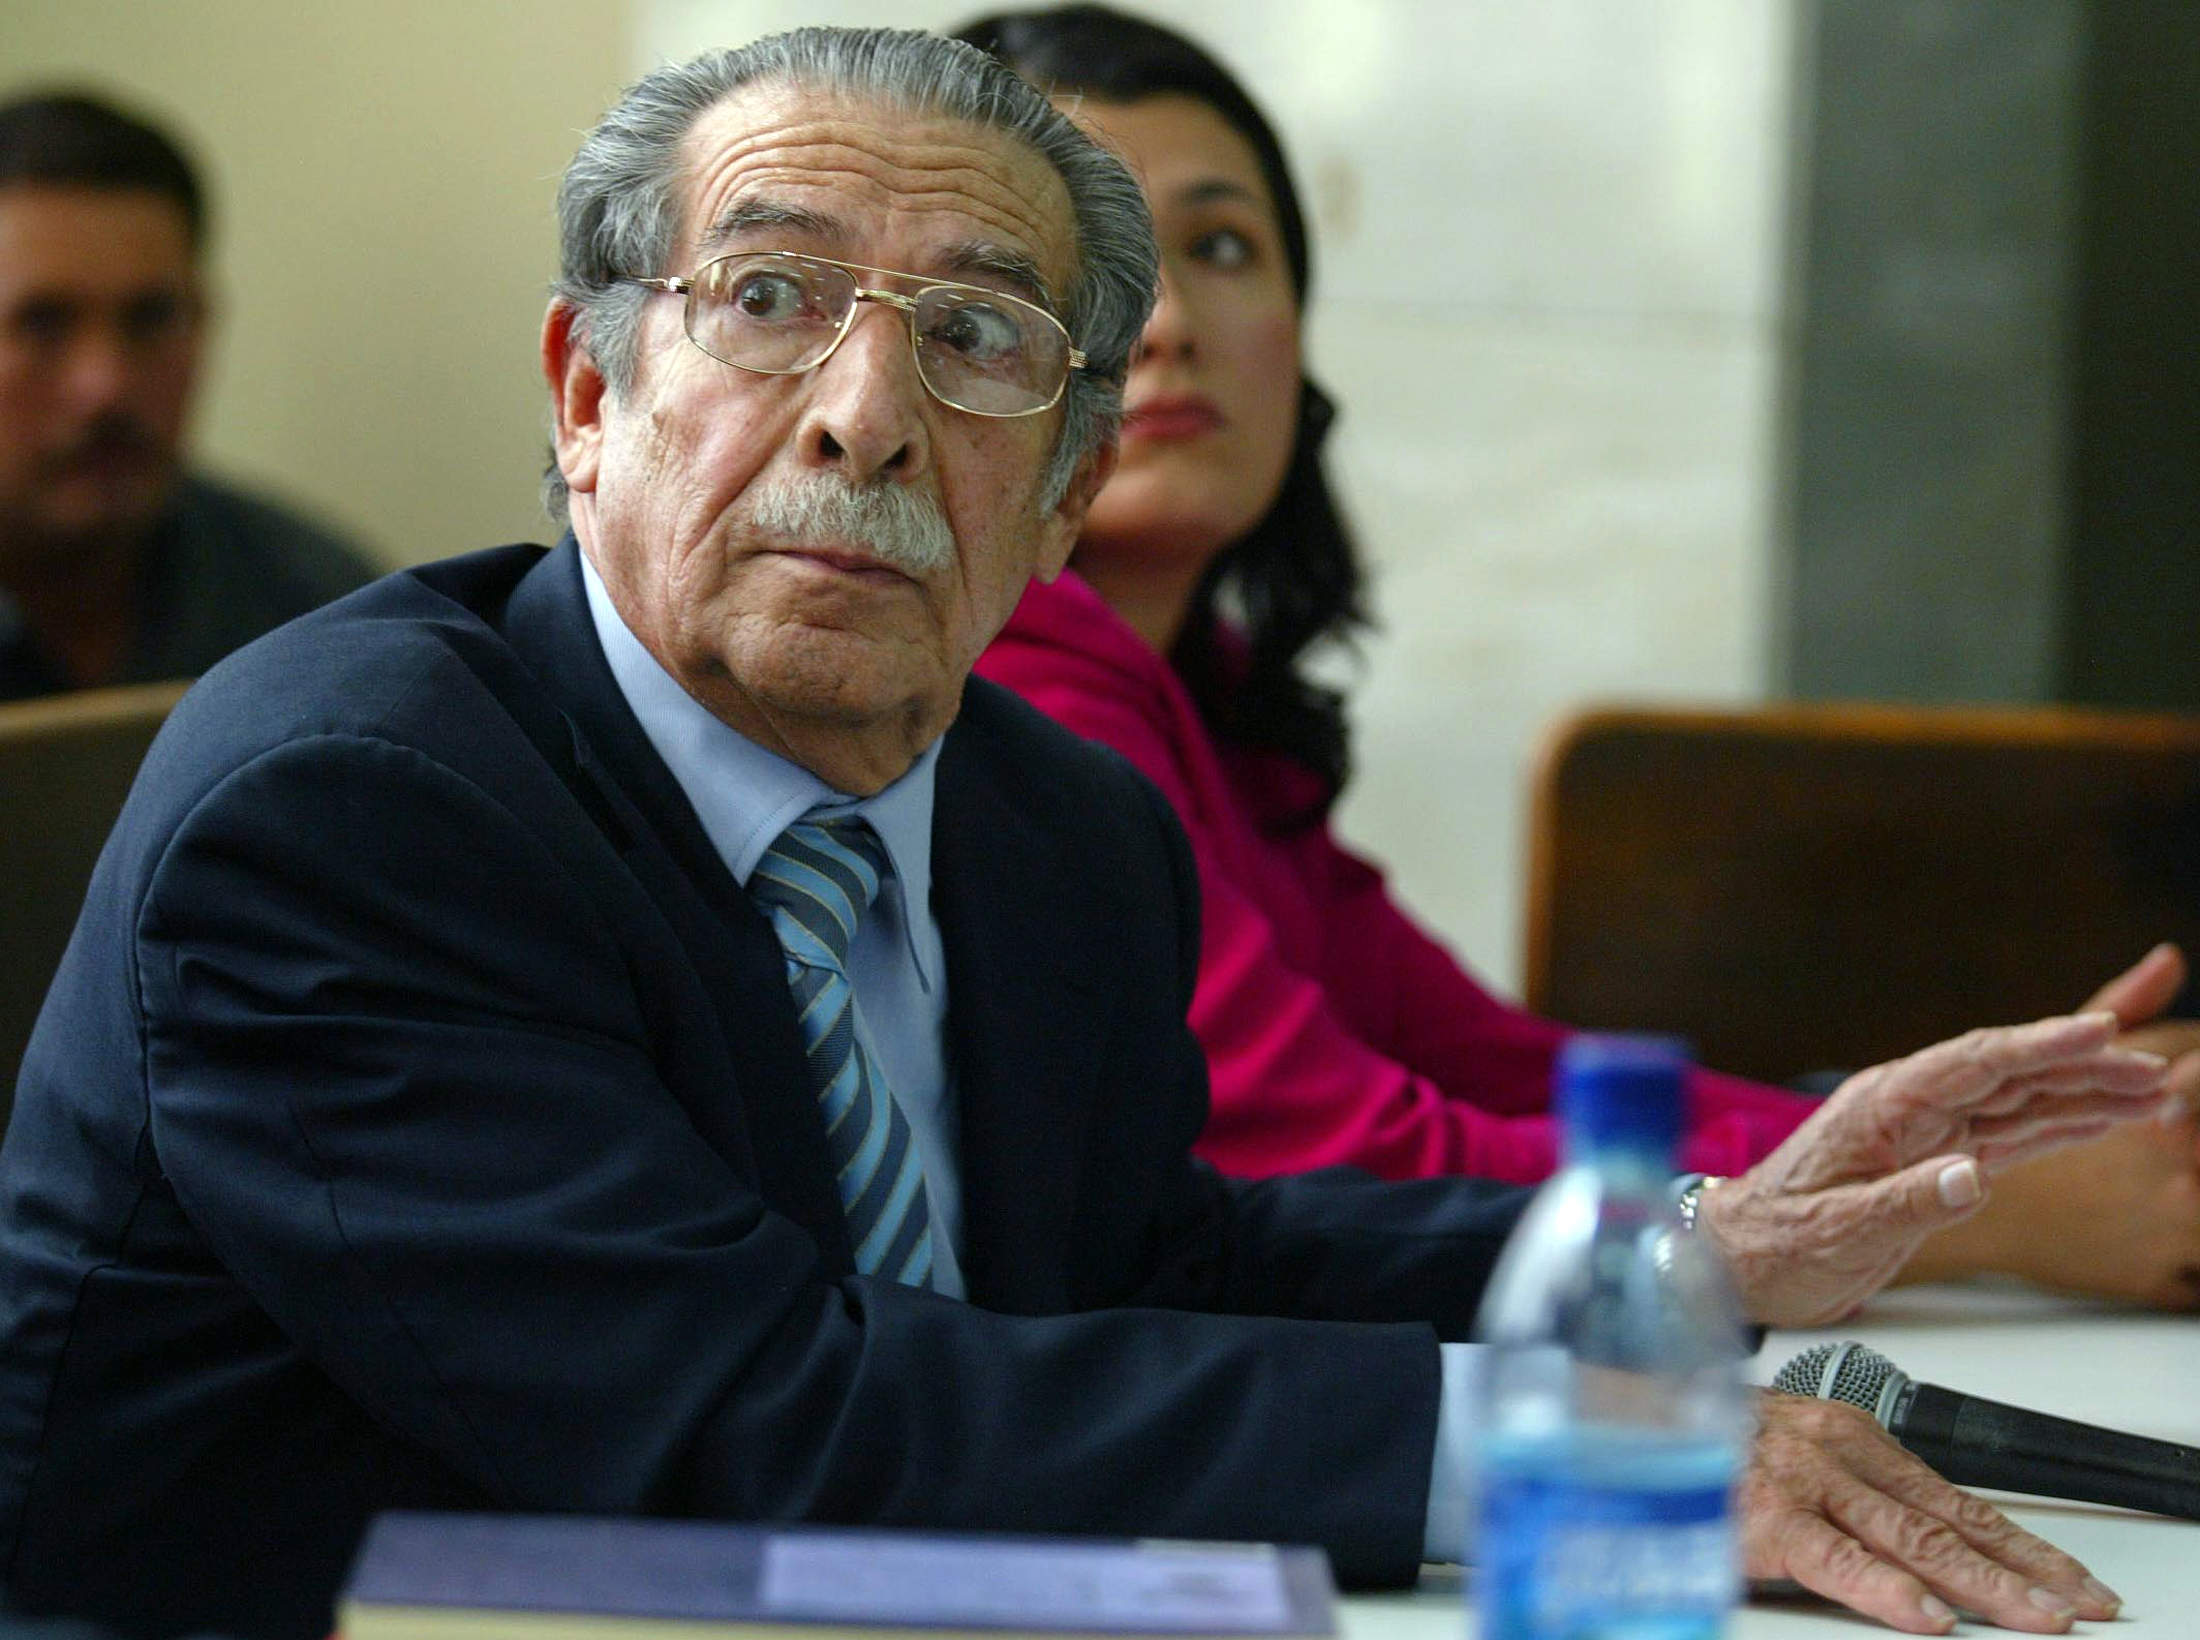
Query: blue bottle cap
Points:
[1622, 1090]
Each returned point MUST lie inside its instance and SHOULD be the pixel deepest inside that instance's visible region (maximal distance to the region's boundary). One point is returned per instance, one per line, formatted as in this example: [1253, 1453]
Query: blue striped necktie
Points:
[814, 882]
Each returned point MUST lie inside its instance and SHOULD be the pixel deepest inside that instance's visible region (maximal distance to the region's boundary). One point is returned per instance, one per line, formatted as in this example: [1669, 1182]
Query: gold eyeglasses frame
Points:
[684, 286]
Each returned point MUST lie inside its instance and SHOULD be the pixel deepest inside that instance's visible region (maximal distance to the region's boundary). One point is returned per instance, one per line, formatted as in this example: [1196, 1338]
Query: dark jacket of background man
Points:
[115, 566]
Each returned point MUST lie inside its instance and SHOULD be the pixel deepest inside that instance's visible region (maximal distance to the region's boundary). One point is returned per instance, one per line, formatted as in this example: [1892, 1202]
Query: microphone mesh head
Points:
[1840, 1372]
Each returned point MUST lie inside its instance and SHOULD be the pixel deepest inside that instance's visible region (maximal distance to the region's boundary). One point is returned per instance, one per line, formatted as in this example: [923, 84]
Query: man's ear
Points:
[1059, 530]
[577, 397]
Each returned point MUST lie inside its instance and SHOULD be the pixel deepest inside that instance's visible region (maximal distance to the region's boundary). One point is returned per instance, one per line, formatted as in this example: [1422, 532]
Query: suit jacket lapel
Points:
[647, 816]
[1026, 1030]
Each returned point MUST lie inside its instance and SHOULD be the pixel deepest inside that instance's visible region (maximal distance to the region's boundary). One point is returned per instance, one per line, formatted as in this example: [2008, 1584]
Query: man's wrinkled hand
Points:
[1830, 1501]
[1900, 1151]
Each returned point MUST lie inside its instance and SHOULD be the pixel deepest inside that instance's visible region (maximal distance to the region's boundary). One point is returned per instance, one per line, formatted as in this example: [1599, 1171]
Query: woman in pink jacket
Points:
[1336, 1030]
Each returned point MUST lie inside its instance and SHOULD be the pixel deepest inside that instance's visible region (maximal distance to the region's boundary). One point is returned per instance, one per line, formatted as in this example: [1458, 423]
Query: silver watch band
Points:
[1688, 1195]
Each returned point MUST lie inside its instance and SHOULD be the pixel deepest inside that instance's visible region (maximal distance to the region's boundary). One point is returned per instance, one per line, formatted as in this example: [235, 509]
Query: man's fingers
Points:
[2115, 1080]
[1913, 1483]
[2114, 1073]
[2143, 990]
[1998, 1052]
[1922, 1197]
[1832, 1502]
[1937, 1554]
[1930, 1547]
[1827, 1561]
[1991, 1065]
[2039, 1123]
[2056, 1119]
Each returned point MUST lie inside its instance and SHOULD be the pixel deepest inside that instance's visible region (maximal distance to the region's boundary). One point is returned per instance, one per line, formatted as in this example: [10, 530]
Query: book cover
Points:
[565, 1577]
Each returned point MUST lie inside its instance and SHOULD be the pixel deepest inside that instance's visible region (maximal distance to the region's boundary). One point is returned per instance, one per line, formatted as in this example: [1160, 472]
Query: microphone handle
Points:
[1976, 1442]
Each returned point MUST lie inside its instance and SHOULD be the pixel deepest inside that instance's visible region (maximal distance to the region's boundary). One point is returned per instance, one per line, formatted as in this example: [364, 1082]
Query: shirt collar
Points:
[746, 796]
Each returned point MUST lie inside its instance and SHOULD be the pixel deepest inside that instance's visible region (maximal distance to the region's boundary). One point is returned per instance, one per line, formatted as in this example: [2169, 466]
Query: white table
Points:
[2119, 1368]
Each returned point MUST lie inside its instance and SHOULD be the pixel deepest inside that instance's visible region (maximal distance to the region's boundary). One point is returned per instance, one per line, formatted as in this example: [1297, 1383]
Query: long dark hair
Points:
[1293, 579]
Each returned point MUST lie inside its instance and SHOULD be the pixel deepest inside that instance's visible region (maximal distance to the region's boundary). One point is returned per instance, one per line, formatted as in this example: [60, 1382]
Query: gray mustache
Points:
[901, 527]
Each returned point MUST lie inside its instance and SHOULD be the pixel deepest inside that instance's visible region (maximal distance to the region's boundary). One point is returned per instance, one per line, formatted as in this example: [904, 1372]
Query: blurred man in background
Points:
[117, 565]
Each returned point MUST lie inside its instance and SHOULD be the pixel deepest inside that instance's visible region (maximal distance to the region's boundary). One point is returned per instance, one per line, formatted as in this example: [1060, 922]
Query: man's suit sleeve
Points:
[405, 1048]
[1336, 1243]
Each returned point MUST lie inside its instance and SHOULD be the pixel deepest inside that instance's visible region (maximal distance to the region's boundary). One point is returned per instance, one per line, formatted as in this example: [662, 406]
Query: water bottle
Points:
[1613, 1418]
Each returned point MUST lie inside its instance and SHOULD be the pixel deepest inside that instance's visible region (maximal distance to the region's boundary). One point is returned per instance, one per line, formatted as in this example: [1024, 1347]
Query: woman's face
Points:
[1212, 400]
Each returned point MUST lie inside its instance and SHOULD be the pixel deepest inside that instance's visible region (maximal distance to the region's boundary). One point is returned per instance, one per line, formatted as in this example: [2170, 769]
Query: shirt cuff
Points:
[1451, 1467]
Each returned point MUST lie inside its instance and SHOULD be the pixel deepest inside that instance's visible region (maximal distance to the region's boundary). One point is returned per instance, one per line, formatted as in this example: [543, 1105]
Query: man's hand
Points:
[1830, 1501]
[1898, 1151]
[2118, 1216]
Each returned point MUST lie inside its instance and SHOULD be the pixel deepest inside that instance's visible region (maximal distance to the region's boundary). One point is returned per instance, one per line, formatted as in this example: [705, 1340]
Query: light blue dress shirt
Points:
[745, 797]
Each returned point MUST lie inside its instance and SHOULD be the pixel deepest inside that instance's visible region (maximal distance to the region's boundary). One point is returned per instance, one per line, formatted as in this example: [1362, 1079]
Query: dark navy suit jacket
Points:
[419, 1117]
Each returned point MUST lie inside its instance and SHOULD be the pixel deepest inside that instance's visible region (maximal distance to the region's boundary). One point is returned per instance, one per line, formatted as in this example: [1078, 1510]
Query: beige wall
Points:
[383, 177]
[1547, 296]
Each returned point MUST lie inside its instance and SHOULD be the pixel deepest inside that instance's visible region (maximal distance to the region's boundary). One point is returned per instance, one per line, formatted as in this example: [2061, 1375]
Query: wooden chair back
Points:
[66, 763]
[1804, 888]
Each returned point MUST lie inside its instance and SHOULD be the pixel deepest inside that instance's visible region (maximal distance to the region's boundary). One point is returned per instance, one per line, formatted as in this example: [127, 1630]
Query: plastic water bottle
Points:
[1613, 1416]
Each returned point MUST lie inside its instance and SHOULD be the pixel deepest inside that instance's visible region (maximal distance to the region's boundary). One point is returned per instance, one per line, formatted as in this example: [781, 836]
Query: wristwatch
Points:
[1688, 1192]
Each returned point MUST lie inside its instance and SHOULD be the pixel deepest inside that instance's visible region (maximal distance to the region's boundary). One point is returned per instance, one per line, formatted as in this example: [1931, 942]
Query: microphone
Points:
[1976, 1442]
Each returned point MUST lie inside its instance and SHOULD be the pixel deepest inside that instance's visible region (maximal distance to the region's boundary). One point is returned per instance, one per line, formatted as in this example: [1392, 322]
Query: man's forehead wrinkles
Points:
[1003, 189]
[1026, 228]
[752, 215]
[879, 181]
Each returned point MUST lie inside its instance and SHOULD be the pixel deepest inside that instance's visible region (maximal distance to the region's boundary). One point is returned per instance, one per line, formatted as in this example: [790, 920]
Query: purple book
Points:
[569, 1577]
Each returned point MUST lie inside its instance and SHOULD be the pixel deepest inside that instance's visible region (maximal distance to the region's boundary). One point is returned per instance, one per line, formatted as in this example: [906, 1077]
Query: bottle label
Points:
[1568, 1555]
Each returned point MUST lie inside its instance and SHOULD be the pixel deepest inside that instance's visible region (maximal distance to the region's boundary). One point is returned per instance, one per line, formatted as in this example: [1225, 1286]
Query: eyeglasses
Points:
[779, 314]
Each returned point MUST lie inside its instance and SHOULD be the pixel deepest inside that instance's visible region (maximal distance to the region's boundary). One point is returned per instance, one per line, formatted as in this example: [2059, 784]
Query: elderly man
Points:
[115, 566]
[632, 1028]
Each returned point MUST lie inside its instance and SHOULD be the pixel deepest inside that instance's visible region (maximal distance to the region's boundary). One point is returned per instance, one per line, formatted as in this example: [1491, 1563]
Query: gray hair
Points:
[618, 207]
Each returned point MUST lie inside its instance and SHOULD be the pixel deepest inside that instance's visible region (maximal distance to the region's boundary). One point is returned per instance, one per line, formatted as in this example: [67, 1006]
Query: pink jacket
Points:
[1336, 1030]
